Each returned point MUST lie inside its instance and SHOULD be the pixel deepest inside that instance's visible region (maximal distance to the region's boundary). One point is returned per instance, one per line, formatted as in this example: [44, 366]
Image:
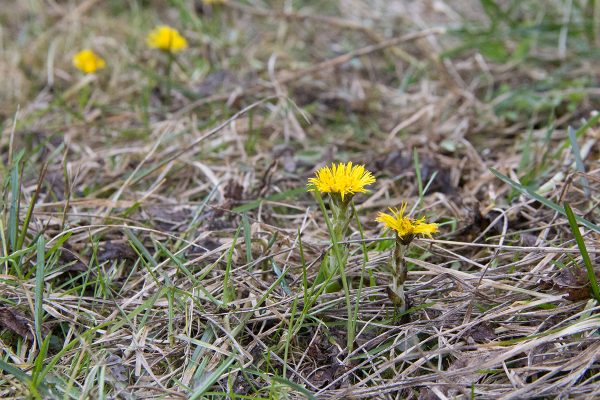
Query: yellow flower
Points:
[213, 2]
[344, 179]
[406, 227]
[88, 62]
[166, 38]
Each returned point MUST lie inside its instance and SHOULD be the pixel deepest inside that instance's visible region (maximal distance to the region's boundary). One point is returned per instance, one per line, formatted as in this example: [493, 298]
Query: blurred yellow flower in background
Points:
[166, 38]
[406, 227]
[88, 62]
[213, 2]
[344, 179]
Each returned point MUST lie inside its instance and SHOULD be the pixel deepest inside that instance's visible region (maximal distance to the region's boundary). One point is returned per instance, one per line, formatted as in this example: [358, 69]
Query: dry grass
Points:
[180, 247]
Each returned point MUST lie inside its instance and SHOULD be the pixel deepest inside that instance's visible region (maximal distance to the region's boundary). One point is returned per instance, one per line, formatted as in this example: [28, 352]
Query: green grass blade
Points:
[417, 165]
[247, 237]
[14, 371]
[289, 336]
[579, 162]
[229, 291]
[579, 132]
[584, 253]
[101, 380]
[279, 273]
[212, 378]
[304, 266]
[180, 265]
[294, 386]
[13, 217]
[548, 203]
[139, 246]
[69, 346]
[21, 376]
[36, 375]
[59, 243]
[39, 287]
[14, 256]
[34, 198]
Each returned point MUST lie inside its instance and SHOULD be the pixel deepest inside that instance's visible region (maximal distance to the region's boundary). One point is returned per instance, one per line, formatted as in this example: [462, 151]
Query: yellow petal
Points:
[166, 38]
[343, 179]
[88, 62]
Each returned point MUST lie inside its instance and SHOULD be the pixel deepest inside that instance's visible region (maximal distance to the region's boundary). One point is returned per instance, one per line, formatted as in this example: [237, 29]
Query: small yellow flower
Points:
[344, 179]
[406, 227]
[88, 62]
[166, 38]
[213, 2]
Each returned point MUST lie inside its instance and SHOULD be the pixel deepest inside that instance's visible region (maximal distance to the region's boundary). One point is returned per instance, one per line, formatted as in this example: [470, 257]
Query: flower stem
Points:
[338, 256]
[171, 58]
[341, 222]
[399, 274]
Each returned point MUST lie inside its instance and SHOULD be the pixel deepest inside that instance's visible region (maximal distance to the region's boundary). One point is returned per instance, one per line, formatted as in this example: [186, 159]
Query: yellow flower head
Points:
[88, 62]
[213, 2]
[344, 179]
[166, 38]
[406, 227]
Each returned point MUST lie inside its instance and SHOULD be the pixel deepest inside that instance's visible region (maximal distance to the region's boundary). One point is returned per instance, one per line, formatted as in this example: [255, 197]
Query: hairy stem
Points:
[399, 273]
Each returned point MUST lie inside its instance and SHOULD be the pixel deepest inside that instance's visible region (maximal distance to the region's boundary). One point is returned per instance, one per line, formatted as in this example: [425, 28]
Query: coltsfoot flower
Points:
[165, 38]
[343, 179]
[406, 228]
[88, 62]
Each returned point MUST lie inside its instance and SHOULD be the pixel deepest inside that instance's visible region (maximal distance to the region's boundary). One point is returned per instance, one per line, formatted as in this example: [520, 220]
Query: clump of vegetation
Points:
[341, 182]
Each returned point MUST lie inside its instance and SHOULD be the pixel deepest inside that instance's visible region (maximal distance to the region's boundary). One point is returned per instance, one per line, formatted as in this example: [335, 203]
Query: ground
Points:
[158, 239]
